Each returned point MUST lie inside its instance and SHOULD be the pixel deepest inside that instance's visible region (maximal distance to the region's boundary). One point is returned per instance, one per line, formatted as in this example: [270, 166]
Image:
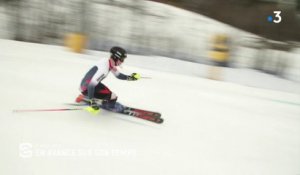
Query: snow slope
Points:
[210, 127]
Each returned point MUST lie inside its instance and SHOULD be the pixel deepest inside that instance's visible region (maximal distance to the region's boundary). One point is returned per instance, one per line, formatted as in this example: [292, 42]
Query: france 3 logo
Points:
[276, 18]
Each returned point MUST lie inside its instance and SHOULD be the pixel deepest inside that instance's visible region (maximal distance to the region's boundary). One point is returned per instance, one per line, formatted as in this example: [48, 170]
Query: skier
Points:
[91, 87]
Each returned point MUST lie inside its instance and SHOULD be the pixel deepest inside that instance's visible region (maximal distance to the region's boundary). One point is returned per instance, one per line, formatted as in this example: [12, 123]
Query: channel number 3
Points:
[277, 16]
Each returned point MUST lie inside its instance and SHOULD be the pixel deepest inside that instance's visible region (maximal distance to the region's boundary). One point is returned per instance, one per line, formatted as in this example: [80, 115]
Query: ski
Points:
[130, 111]
[142, 114]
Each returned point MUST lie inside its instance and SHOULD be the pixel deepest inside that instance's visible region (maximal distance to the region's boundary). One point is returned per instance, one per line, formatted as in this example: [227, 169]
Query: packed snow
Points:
[211, 127]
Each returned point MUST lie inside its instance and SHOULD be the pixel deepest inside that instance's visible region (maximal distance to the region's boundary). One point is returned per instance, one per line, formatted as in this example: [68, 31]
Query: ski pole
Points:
[48, 110]
[147, 77]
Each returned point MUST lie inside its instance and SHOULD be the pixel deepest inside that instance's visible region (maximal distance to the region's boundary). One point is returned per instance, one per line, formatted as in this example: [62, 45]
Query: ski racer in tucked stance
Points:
[93, 90]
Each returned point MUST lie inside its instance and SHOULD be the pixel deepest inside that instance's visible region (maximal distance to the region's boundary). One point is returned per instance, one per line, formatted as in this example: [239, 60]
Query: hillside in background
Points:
[250, 15]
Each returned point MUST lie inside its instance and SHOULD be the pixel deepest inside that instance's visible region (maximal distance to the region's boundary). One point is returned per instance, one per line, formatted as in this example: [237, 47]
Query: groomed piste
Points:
[210, 127]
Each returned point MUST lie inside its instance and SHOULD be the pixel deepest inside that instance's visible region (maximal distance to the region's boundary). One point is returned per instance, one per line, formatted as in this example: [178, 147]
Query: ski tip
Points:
[160, 120]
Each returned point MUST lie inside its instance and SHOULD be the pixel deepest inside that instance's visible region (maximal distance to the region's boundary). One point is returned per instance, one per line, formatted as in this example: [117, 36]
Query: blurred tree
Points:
[249, 15]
